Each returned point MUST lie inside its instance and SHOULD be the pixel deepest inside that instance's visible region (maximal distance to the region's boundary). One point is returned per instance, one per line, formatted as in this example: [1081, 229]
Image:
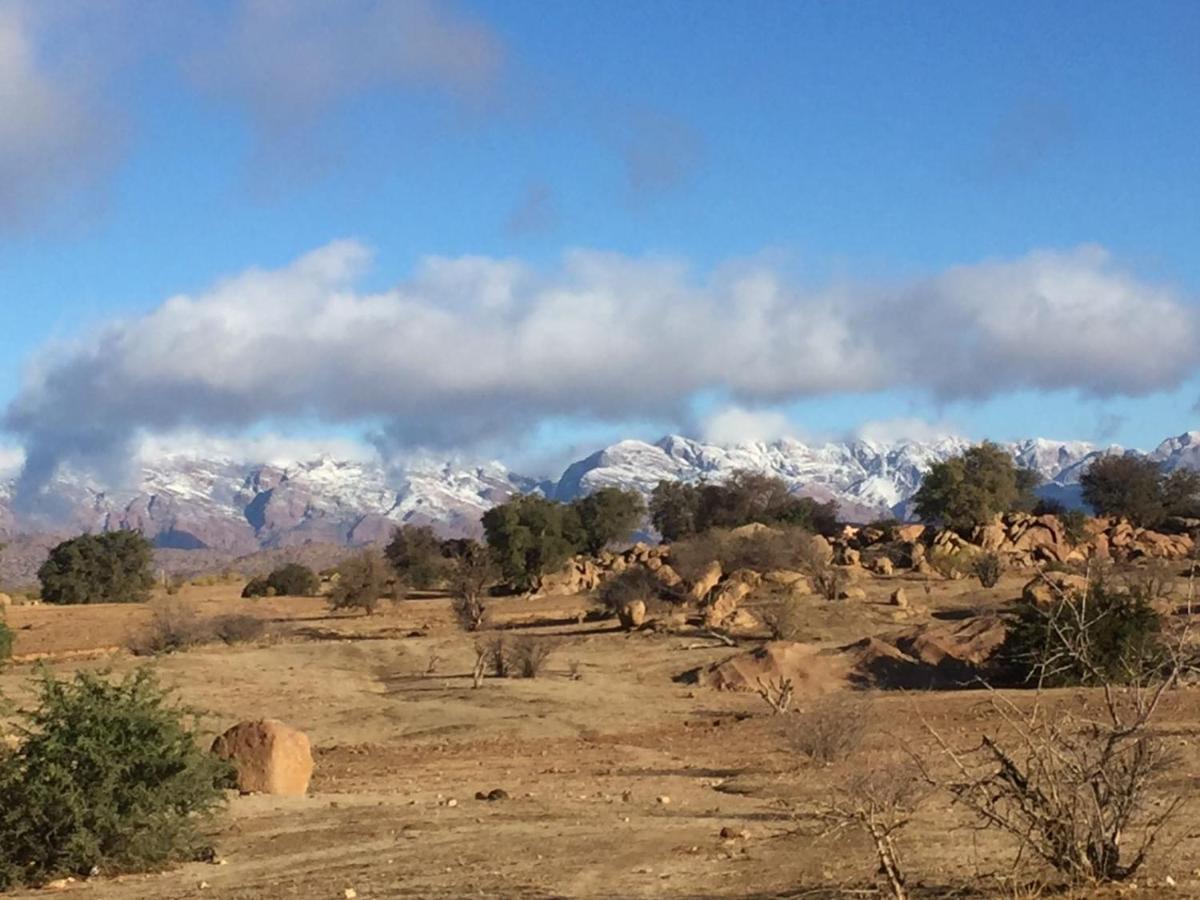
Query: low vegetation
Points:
[6, 642]
[108, 778]
[1137, 489]
[362, 581]
[114, 567]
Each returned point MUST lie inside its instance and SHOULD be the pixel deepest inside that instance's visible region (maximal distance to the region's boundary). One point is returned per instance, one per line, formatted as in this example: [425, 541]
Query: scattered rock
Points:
[899, 598]
[268, 756]
[664, 800]
[1048, 588]
[883, 566]
[728, 597]
[632, 615]
[812, 671]
[706, 582]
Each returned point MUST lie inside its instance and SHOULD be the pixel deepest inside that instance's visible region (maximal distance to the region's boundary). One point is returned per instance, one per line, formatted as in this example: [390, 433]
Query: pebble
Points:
[664, 800]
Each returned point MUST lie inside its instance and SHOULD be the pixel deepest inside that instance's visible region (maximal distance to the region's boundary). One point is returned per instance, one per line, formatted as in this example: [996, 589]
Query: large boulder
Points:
[5, 601]
[909, 534]
[667, 576]
[883, 566]
[632, 615]
[706, 582]
[268, 756]
[1048, 588]
[937, 655]
[728, 597]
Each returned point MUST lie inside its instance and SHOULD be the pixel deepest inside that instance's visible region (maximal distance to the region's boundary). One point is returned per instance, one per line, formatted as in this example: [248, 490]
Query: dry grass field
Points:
[621, 782]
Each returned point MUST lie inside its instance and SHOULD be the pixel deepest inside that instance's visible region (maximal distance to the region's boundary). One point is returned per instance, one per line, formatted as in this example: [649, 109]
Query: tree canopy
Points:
[530, 536]
[678, 510]
[114, 567]
[1138, 489]
[974, 487]
[608, 515]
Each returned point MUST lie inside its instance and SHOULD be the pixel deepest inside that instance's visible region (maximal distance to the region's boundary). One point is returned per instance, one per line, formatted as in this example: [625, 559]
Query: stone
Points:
[852, 593]
[706, 582]
[632, 615]
[1048, 588]
[667, 576]
[909, 533]
[5, 601]
[728, 598]
[899, 598]
[784, 577]
[268, 756]
[883, 566]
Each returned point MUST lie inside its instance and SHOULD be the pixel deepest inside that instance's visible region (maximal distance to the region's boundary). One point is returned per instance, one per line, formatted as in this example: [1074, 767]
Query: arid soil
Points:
[620, 780]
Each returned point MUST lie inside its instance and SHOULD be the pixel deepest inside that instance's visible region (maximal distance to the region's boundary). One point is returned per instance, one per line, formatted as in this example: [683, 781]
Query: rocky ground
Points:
[628, 772]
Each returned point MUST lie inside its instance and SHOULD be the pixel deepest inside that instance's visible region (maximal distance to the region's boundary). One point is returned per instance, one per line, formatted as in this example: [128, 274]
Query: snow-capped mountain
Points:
[189, 501]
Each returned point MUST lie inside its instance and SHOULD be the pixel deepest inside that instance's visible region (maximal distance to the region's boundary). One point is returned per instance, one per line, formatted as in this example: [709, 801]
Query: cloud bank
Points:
[475, 349]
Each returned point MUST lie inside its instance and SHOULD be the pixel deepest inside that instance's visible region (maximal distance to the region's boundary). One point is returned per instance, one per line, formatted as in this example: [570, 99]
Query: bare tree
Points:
[472, 573]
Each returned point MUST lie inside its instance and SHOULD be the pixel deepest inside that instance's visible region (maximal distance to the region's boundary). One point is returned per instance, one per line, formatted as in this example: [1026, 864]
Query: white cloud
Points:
[272, 449]
[886, 431]
[735, 425]
[56, 135]
[11, 460]
[479, 349]
[288, 62]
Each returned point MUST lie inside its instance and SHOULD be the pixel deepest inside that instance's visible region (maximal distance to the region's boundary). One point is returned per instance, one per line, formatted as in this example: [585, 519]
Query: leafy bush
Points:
[988, 567]
[971, 489]
[291, 580]
[362, 582]
[109, 777]
[418, 556]
[1113, 635]
[99, 568]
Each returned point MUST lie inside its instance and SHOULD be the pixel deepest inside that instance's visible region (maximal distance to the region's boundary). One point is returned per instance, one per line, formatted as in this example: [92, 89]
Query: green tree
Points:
[974, 487]
[530, 536]
[114, 567]
[361, 583]
[609, 515]
[418, 555]
[1137, 489]
[674, 509]
[108, 776]
[294, 580]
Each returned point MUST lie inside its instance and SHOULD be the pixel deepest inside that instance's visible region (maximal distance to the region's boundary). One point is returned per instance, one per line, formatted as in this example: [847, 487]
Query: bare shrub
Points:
[238, 629]
[530, 654]
[832, 729]
[1156, 580]
[470, 573]
[469, 613]
[173, 626]
[777, 694]
[496, 654]
[879, 803]
[988, 567]
[761, 550]
[1075, 790]
[785, 618]
[634, 584]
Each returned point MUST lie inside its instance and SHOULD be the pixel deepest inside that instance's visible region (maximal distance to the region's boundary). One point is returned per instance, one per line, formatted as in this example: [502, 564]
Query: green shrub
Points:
[109, 777]
[608, 516]
[6, 642]
[99, 568]
[1113, 637]
[256, 587]
[988, 567]
[362, 582]
[971, 489]
[417, 554]
[291, 580]
[531, 536]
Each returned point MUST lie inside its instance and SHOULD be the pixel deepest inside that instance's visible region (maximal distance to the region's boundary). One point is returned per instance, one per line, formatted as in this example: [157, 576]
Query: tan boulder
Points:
[784, 577]
[852, 593]
[899, 597]
[909, 533]
[751, 529]
[848, 556]
[268, 756]
[821, 549]
[883, 566]
[653, 563]
[706, 582]
[632, 615]
[5, 601]
[667, 576]
[811, 671]
[992, 536]
[726, 600]
[1048, 588]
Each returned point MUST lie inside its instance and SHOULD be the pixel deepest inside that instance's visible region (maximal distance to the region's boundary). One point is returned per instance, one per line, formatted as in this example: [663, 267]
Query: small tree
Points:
[531, 536]
[109, 776]
[418, 555]
[1137, 489]
[361, 583]
[969, 490]
[472, 572]
[608, 516]
[674, 509]
[114, 567]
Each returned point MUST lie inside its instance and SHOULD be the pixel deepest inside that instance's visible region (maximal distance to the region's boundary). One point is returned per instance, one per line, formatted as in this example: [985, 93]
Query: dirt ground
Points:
[620, 780]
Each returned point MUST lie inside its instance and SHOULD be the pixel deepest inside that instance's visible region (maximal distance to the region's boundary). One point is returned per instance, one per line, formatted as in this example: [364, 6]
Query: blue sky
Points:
[849, 151]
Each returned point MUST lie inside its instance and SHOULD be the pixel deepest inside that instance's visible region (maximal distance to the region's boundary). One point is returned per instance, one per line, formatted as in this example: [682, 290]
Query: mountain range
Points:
[189, 502]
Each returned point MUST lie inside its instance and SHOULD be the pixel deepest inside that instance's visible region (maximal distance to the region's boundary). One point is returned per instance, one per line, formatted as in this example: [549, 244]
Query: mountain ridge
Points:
[191, 502]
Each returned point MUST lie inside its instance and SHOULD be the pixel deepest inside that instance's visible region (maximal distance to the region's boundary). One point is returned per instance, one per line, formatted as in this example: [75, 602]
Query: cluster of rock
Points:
[1022, 540]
